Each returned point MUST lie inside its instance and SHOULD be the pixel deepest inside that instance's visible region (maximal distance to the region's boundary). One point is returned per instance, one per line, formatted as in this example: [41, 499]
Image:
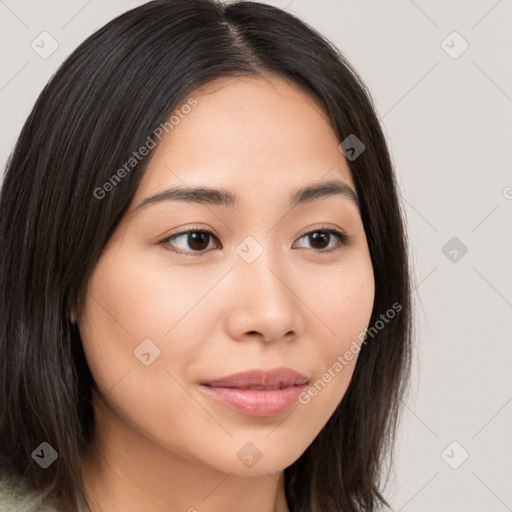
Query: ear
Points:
[72, 316]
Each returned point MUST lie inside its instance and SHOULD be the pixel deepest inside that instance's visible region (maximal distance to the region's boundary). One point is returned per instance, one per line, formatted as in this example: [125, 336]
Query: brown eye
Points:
[190, 242]
[320, 239]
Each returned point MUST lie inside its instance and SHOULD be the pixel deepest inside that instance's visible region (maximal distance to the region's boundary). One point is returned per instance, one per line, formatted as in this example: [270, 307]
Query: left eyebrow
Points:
[322, 190]
[223, 197]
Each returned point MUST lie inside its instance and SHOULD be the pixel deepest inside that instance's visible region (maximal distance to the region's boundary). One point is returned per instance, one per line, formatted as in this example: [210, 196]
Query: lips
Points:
[257, 393]
[277, 378]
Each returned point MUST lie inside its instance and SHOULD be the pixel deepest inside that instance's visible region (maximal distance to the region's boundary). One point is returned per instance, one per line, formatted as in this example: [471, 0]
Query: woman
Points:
[205, 294]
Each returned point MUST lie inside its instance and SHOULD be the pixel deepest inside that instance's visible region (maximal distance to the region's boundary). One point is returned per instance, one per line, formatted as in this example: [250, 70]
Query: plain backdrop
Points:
[441, 77]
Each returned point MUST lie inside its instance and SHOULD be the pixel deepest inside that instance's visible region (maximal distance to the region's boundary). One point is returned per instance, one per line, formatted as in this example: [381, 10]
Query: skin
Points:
[161, 445]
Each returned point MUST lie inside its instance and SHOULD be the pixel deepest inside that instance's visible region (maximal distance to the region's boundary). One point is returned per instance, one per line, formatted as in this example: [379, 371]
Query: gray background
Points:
[449, 125]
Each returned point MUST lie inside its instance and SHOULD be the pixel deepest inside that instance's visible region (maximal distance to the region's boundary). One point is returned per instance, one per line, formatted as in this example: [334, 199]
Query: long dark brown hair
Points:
[102, 104]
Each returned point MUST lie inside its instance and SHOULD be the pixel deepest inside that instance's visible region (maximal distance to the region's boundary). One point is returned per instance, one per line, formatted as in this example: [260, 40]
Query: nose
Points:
[264, 303]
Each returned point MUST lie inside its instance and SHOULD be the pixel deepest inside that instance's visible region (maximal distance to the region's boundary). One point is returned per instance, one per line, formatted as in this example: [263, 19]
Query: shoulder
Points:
[16, 496]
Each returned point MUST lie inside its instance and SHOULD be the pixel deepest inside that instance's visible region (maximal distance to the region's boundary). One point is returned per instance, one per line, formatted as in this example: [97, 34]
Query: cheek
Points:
[344, 305]
[343, 300]
[134, 296]
[139, 310]
[129, 309]
[129, 302]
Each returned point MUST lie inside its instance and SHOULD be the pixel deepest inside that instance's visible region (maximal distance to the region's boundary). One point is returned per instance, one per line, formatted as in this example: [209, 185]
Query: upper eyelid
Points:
[209, 231]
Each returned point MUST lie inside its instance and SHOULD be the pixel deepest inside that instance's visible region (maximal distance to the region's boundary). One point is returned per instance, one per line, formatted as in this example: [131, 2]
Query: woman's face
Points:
[163, 316]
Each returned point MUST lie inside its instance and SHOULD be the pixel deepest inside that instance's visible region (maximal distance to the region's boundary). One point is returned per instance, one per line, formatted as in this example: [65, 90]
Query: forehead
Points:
[246, 133]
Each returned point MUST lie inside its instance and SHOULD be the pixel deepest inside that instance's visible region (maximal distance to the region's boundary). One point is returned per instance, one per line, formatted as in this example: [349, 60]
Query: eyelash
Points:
[342, 238]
